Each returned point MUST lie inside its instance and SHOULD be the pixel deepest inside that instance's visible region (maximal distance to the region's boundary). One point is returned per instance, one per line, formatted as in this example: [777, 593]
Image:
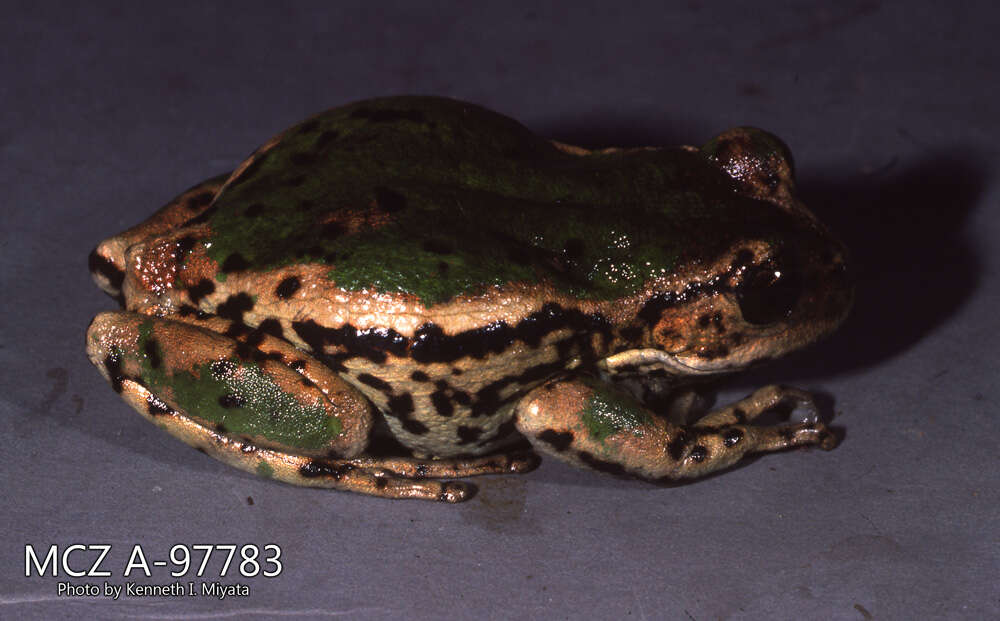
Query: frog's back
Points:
[438, 198]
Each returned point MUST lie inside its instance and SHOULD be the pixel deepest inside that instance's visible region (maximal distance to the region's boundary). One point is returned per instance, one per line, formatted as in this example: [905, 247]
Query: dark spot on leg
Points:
[739, 415]
[152, 350]
[419, 376]
[677, 446]
[222, 369]
[155, 407]
[287, 287]
[731, 437]
[231, 401]
[559, 440]
[113, 365]
[317, 468]
[699, 453]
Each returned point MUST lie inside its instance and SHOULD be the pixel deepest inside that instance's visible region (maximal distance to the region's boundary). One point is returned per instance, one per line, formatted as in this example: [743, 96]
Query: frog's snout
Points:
[106, 268]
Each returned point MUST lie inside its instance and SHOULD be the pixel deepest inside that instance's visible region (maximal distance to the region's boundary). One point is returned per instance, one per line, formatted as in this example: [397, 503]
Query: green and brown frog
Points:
[430, 273]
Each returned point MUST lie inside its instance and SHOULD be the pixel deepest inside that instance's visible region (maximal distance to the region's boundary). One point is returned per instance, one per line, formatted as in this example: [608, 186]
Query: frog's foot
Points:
[452, 467]
[763, 400]
[588, 423]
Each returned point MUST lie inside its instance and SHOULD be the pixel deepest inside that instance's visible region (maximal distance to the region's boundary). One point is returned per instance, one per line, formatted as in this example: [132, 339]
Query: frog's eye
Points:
[768, 293]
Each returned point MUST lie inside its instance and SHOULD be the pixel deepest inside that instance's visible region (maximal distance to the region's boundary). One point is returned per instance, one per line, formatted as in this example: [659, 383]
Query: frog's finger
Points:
[763, 400]
[342, 474]
[590, 424]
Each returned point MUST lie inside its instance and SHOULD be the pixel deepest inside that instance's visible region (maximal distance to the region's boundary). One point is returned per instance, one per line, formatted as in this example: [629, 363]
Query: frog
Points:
[402, 292]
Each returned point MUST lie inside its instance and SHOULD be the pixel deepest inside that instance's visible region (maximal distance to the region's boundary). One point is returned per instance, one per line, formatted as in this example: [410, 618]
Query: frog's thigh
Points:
[187, 377]
[590, 424]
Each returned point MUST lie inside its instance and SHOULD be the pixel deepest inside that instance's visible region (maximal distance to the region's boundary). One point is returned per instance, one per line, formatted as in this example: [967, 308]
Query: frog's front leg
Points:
[588, 423]
[252, 400]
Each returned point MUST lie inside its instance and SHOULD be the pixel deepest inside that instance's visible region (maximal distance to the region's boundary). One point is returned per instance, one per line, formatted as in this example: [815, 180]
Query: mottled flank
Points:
[371, 190]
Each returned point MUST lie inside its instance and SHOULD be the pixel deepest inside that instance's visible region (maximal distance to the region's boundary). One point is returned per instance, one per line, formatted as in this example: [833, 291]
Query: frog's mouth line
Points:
[645, 358]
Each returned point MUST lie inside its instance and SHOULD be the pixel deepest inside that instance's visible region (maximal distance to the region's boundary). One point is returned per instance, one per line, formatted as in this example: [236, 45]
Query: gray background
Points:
[109, 110]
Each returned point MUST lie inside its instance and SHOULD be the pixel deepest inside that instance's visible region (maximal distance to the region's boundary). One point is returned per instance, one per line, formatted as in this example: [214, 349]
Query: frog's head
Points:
[776, 280]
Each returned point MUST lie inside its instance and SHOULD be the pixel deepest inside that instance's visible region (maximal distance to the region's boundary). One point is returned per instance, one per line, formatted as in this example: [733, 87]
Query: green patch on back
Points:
[237, 397]
[608, 412]
[453, 199]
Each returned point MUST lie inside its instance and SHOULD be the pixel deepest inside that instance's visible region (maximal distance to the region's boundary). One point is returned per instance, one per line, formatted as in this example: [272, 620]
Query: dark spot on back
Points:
[302, 158]
[699, 453]
[389, 200]
[235, 262]
[287, 287]
[438, 246]
[254, 210]
[419, 376]
[332, 230]
[574, 248]
[325, 138]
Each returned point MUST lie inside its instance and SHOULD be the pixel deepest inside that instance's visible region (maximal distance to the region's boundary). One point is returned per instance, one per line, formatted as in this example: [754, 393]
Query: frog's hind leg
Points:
[361, 475]
[589, 423]
[252, 400]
